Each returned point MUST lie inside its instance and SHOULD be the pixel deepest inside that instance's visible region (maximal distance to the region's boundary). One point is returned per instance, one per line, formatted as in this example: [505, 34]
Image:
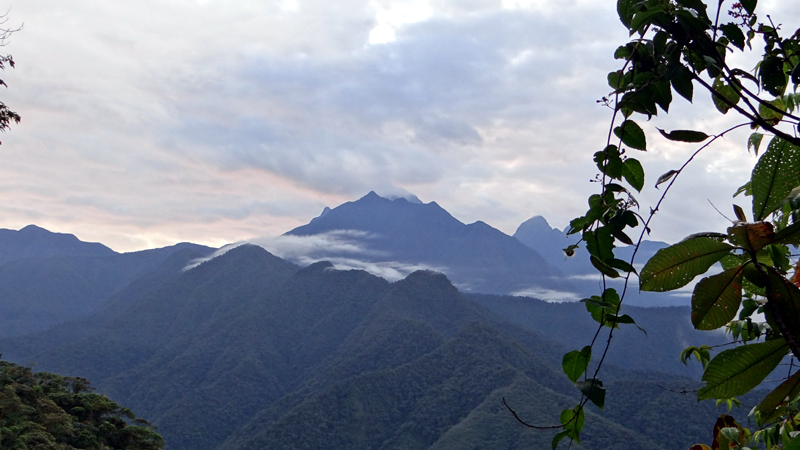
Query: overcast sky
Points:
[158, 121]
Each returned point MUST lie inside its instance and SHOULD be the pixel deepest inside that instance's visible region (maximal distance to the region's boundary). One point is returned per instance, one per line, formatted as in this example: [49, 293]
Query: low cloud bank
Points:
[341, 248]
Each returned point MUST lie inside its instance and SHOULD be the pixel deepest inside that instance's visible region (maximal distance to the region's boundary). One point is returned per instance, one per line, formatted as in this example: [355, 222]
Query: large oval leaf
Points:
[738, 370]
[716, 299]
[776, 173]
[675, 266]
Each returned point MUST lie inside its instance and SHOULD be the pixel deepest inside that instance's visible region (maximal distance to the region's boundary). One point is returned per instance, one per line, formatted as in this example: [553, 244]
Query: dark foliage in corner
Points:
[45, 411]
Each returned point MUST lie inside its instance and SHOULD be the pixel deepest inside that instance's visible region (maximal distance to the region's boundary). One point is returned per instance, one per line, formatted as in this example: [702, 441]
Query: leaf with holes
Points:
[675, 266]
[716, 299]
[738, 370]
[773, 78]
[752, 236]
[776, 173]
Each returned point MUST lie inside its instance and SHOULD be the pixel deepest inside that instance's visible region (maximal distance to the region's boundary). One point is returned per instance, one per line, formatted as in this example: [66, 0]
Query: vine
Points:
[676, 47]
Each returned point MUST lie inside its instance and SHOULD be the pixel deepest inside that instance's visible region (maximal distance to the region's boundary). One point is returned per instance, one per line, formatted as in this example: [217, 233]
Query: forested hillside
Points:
[250, 351]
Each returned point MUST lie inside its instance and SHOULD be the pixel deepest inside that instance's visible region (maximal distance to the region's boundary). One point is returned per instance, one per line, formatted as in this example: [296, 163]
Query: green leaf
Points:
[631, 135]
[793, 445]
[675, 266]
[609, 162]
[734, 34]
[738, 370]
[615, 320]
[789, 235]
[773, 404]
[749, 5]
[626, 10]
[730, 433]
[600, 243]
[558, 438]
[643, 18]
[684, 135]
[604, 268]
[700, 353]
[598, 308]
[661, 94]
[776, 173]
[773, 78]
[572, 420]
[724, 92]
[597, 301]
[633, 173]
[785, 297]
[593, 390]
[615, 79]
[716, 299]
[681, 79]
[769, 114]
[754, 142]
[621, 265]
[576, 362]
[622, 237]
[666, 177]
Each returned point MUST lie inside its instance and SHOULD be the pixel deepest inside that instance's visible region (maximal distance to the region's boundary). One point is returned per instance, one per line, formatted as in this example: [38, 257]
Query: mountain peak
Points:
[34, 229]
[36, 242]
[536, 224]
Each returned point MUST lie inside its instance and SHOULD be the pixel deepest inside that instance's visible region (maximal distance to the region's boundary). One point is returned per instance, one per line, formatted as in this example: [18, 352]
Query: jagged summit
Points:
[400, 235]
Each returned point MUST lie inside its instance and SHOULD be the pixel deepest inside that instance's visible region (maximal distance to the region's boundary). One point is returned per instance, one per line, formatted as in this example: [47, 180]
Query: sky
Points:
[152, 122]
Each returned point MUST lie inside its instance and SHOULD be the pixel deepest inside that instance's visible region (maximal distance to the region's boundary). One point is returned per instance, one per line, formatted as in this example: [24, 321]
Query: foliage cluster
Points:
[678, 46]
[45, 411]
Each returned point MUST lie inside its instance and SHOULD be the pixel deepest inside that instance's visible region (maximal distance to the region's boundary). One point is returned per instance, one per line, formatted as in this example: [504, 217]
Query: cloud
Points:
[148, 123]
[307, 249]
[225, 249]
[548, 295]
[388, 270]
[345, 249]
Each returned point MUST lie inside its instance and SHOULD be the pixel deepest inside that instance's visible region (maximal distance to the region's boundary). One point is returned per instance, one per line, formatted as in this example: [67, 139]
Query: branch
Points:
[758, 120]
[552, 427]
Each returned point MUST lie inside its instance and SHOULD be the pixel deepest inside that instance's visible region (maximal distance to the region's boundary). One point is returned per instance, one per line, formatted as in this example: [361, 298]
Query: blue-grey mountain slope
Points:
[476, 257]
[48, 278]
[249, 351]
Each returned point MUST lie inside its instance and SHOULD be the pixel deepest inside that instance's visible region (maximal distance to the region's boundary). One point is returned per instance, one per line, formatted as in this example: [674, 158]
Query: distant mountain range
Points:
[241, 349]
[47, 278]
[399, 235]
[249, 351]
